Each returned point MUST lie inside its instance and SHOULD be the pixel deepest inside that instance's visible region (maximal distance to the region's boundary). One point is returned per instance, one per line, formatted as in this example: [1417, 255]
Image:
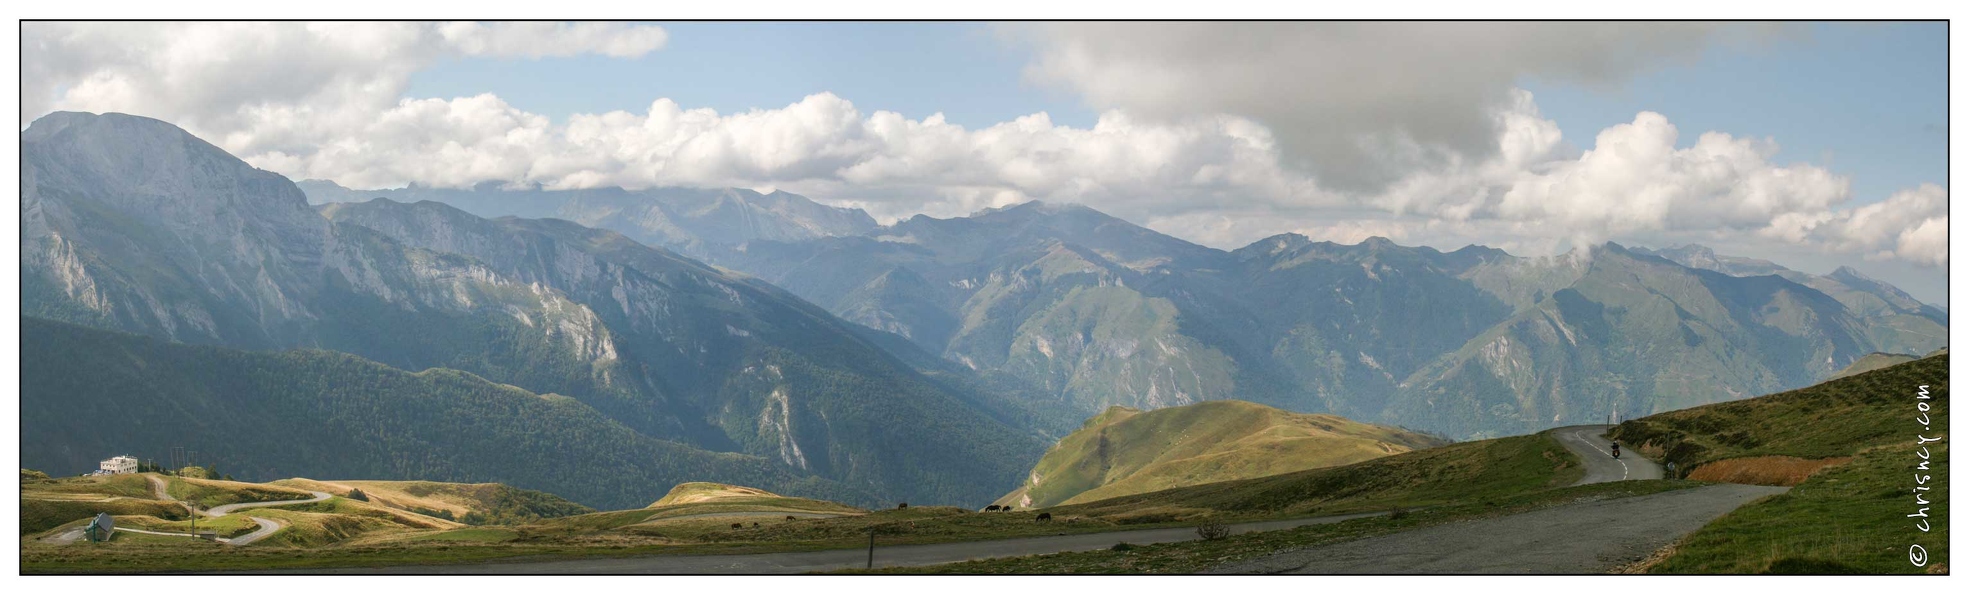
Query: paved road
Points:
[149, 532]
[794, 562]
[225, 509]
[1590, 443]
[267, 526]
[1589, 537]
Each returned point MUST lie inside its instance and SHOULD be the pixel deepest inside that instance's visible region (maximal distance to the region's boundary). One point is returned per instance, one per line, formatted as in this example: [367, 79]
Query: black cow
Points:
[738, 525]
[991, 508]
[1045, 516]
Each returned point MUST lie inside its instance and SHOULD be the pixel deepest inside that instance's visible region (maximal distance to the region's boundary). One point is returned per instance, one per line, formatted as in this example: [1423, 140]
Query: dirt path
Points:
[157, 488]
[1588, 537]
[65, 537]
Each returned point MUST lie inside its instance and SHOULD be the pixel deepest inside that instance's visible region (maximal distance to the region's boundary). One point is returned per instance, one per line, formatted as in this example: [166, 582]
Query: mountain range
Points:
[686, 220]
[132, 224]
[1091, 311]
[491, 334]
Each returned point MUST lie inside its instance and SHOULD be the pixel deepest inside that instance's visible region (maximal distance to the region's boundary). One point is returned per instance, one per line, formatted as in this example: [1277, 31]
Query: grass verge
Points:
[1849, 519]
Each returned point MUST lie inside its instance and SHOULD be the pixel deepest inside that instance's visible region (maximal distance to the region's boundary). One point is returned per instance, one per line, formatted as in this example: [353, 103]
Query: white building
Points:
[122, 464]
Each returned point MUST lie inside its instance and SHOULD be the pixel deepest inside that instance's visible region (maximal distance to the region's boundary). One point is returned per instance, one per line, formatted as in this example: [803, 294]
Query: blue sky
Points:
[963, 70]
[1866, 100]
[1869, 100]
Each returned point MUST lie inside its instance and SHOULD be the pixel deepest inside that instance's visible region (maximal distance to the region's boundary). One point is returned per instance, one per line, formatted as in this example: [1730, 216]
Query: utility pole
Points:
[871, 547]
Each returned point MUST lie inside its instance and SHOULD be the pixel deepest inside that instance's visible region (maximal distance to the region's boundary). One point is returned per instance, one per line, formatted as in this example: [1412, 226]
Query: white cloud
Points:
[1360, 104]
[325, 101]
[822, 144]
[243, 84]
[1632, 180]
[1911, 225]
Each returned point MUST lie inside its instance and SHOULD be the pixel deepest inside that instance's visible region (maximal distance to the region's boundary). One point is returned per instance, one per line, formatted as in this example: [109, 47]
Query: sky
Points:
[1814, 145]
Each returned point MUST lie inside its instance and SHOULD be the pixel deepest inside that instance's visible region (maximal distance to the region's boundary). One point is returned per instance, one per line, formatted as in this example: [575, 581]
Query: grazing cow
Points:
[755, 523]
[789, 517]
[1045, 516]
[902, 506]
[738, 525]
[991, 508]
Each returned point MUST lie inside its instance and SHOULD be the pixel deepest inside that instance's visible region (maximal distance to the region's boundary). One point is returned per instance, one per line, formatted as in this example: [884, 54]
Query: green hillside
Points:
[471, 503]
[1458, 473]
[1847, 518]
[325, 414]
[1125, 451]
[705, 499]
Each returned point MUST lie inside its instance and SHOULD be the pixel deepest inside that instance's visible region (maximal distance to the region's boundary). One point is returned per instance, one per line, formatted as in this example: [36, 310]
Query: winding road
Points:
[267, 526]
[1584, 537]
[1591, 444]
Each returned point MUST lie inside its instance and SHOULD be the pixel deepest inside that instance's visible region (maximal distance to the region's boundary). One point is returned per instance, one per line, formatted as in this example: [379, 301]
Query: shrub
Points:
[356, 494]
[1211, 531]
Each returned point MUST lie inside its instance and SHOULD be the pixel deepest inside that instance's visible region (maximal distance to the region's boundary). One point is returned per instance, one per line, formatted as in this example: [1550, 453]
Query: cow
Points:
[738, 525]
[789, 517]
[1044, 517]
[991, 508]
[902, 506]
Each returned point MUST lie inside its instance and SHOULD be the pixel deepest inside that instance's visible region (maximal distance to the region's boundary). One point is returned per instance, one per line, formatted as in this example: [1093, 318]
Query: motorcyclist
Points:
[1616, 450]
